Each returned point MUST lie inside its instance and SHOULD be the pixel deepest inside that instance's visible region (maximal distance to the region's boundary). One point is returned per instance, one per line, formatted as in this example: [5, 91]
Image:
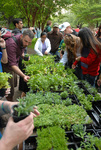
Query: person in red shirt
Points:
[90, 60]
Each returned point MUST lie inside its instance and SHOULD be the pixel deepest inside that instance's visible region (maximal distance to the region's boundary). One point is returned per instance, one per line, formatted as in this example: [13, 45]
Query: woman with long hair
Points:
[90, 56]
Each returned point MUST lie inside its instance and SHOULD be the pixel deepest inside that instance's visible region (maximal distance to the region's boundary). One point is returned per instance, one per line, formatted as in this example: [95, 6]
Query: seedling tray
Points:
[97, 106]
[30, 143]
[94, 116]
[69, 135]
[85, 91]
[72, 146]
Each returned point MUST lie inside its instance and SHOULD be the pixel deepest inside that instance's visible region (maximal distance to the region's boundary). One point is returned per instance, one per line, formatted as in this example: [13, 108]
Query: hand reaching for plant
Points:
[73, 66]
[7, 92]
[26, 78]
[15, 133]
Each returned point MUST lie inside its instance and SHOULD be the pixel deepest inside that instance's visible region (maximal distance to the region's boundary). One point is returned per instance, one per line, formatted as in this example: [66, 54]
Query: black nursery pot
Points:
[15, 115]
[26, 58]
[2, 92]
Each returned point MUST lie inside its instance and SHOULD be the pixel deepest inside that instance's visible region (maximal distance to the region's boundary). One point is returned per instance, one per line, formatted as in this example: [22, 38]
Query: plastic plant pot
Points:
[2, 92]
[15, 116]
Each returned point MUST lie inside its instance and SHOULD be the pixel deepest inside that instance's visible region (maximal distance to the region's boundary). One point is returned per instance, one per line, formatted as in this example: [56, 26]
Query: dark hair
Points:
[49, 22]
[99, 32]
[88, 39]
[0, 28]
[16, 20]
[43, 33]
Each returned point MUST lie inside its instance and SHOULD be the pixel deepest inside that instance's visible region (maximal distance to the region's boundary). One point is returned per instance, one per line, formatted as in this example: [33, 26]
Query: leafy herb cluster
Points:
[51, 115]
[51, 138]
[4, 80]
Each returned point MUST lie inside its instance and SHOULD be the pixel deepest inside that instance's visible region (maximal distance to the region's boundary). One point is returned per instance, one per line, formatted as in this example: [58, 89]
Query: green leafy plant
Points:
[90, 142]
[64, 94]
[4, 80]
[51, 137]
[25, 106]
[51, 115]
[79, 130]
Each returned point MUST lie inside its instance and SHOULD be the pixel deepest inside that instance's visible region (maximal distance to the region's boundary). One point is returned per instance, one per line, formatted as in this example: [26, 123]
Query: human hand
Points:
[16, 133]
[26, 78]
[2, 43]
[73, 66]
[78, 58]
[7, 92]
[99, 82]
[46, 53]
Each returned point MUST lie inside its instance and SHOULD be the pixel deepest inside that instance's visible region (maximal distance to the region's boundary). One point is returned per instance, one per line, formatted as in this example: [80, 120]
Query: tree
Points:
[87, 11]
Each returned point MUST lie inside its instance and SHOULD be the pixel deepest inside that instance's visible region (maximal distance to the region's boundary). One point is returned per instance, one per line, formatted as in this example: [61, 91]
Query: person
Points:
[18, 26]
[73, 48]
[3, 53]
[90, 58]
[55, 38]
[78, 28]
[66, 28]
[98, 35]
[48, 27]
[42, 46]
[15, 133]
[15, 50]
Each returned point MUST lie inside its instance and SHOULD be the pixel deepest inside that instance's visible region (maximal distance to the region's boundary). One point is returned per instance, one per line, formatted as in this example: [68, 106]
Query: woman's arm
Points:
[48, 45]
[36, 48]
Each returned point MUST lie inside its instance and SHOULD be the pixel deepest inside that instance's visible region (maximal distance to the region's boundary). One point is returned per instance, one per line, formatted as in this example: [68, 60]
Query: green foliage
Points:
[91, 142]
[85, 12]
[51, 137]
[61, 115]
[79, 130]
[84, 101]
[64, 94]
[97, 97]
[4, 79]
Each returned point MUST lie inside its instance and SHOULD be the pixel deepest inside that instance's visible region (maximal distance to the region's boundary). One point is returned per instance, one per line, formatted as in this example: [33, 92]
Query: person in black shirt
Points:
[18, 26]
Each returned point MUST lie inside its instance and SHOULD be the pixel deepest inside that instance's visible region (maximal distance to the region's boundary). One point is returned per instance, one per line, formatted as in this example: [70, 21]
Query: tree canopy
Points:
[37, 12]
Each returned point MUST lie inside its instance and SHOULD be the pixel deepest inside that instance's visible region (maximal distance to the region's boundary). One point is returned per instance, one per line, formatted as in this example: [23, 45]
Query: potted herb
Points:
[4, 84]
[23, 109]
[26, 57]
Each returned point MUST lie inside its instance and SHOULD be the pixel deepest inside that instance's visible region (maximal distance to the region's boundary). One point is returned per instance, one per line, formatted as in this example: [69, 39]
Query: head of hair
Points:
[16, 20]
[88, 39]
[71, 46]
[0, 28]
[43, 33]
[49, 22]
[29, 33]
[99, 31]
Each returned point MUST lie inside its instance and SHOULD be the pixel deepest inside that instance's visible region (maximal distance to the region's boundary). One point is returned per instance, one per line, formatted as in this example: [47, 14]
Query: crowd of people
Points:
[82, 53]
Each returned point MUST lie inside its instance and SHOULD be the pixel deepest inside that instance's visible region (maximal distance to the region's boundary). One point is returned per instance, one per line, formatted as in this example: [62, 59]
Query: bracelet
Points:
[3, 48]
[3, 107]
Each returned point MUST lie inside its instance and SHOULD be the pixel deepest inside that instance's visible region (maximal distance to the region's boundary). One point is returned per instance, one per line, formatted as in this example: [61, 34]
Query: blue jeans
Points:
[90, 79]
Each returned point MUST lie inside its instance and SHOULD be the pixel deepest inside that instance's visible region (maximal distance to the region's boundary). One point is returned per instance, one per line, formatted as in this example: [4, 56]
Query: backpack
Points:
[7, 34]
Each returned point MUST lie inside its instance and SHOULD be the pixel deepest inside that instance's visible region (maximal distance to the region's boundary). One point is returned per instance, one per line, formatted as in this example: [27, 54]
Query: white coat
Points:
[38, 46]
